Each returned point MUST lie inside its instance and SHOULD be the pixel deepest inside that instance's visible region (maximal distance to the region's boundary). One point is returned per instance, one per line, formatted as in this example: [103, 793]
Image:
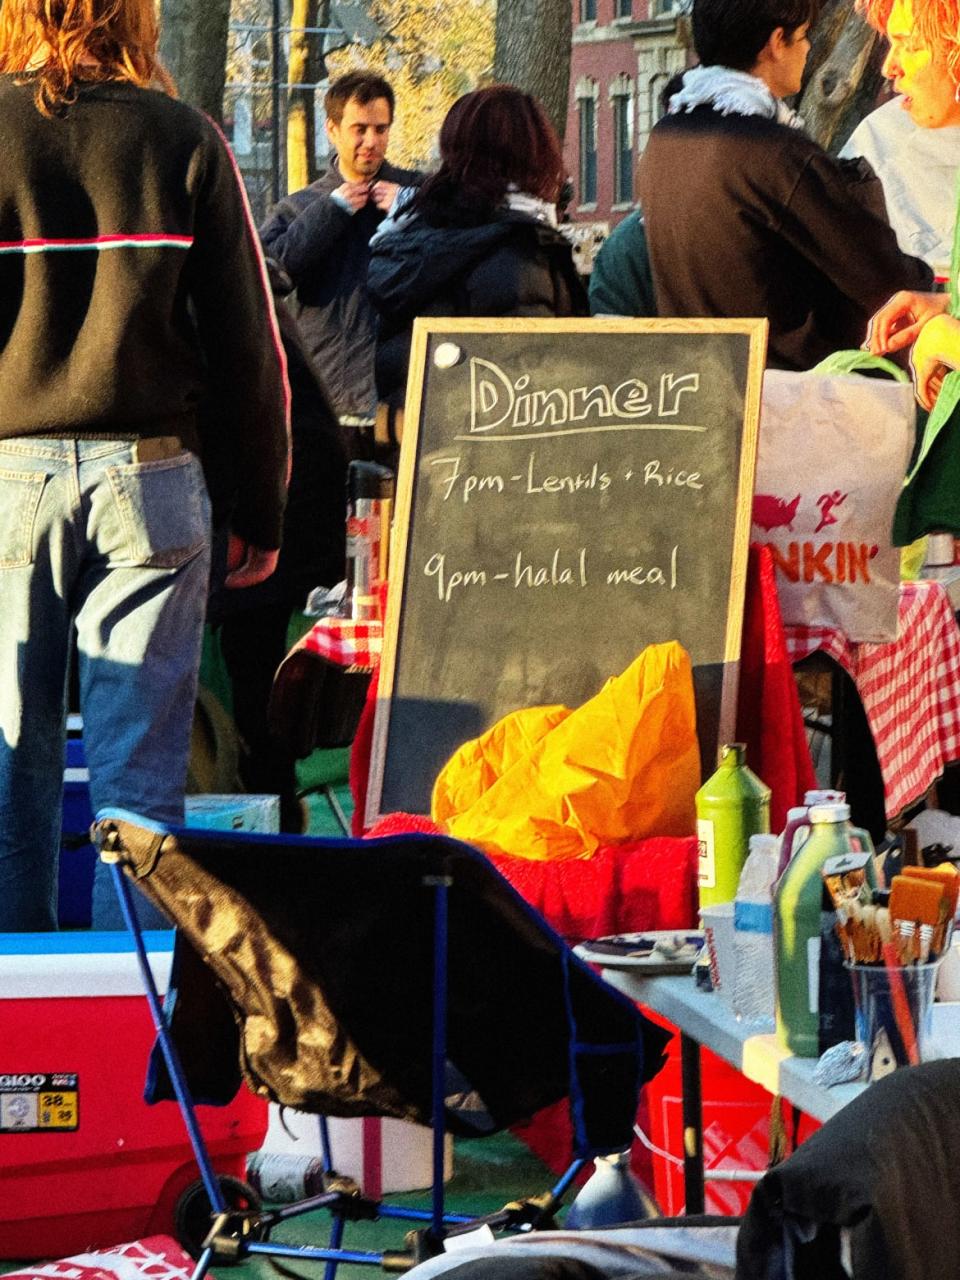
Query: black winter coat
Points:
[748, 217]
[511, 266]
[325, 250]
[314, 548]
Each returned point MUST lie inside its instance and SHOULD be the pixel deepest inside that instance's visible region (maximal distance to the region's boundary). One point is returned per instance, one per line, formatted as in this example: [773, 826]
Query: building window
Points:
[588, 10]
[658, 108]
[588, 151]
[623, 8]
[622, 148]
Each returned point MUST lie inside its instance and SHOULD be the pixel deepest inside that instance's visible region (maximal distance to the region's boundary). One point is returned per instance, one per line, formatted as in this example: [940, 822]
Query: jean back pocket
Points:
[20, 493]
[164, 512]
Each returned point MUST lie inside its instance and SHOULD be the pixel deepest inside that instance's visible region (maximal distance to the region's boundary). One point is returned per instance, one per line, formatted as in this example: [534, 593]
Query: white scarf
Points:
[401, 215]
[731, 93]
[532, 206]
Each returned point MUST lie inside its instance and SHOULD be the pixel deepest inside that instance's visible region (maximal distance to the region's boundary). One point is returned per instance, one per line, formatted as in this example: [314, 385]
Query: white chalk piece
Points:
[446, 355]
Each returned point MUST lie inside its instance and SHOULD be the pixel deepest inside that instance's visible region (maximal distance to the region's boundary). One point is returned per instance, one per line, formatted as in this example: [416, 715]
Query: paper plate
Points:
[655, 952]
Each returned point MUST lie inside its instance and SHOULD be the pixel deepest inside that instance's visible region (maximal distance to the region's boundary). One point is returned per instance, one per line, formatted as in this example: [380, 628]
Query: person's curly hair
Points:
[60, 44]
[936, 23]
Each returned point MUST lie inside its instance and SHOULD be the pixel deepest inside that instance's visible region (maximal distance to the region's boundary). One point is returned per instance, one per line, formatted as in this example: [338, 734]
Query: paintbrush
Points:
[845, 878]
[945, 875]
[921, 904]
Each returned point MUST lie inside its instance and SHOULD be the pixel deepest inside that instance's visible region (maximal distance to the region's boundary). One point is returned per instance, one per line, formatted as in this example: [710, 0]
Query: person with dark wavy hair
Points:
[745, 214]
[136, 336]
[480, 237]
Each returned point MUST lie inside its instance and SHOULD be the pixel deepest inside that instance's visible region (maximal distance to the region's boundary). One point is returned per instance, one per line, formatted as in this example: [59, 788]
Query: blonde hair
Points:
[936, 24]
[61, 43]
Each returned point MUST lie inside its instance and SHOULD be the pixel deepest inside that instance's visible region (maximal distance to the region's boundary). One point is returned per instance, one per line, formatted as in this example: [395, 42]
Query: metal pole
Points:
[276, 101]
[692, 1124]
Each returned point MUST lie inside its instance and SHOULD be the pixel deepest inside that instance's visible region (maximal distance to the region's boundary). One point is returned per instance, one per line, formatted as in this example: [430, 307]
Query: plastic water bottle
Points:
[732, 805]
[754, 991]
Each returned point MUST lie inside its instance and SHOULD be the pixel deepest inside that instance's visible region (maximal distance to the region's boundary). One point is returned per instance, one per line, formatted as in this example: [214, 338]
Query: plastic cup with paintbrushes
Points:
[893, 943]
[918, 909]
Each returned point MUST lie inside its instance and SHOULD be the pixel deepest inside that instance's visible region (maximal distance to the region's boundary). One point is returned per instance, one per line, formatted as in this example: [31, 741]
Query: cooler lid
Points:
[37, 966]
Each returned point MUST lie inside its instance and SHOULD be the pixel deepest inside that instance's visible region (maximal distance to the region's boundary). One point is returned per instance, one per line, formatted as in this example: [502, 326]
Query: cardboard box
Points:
[381, 1155]
[84, 1162]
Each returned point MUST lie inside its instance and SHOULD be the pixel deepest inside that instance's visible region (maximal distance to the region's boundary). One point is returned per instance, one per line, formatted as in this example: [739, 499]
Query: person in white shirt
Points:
[918, 168]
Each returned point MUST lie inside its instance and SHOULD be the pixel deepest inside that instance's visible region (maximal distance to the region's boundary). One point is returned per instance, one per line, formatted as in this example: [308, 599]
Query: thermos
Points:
[732, 805]
[798, 904]
[370, 490]
[283, 1178]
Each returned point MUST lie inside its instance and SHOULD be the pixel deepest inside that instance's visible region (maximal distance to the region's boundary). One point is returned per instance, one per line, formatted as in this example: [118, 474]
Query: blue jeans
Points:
[96, 543]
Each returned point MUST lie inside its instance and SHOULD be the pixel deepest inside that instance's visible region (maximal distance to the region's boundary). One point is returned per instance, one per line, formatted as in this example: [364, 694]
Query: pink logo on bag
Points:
[770, 512]
[826, 502]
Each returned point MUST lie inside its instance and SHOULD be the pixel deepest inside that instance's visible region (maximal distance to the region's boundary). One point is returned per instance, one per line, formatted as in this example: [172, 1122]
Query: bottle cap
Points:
[824, 797]
[830, 813]
[797, 812]
[733, 753]
[368, 480]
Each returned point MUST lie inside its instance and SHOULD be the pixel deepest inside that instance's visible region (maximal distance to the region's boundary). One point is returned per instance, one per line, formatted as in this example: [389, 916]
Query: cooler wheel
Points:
[192, 1217]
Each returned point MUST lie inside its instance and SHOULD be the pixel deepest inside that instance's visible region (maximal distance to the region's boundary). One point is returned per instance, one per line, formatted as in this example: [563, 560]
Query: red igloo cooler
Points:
[84, 1161]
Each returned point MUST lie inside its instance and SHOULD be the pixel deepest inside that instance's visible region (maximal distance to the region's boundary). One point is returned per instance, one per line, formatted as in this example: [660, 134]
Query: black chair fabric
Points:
[323, 951]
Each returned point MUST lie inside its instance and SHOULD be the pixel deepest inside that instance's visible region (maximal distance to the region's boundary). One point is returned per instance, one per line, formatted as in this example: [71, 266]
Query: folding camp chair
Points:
[398, 977]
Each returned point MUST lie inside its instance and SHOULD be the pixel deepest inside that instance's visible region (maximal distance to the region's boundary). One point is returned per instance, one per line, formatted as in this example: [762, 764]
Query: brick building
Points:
[624, 52]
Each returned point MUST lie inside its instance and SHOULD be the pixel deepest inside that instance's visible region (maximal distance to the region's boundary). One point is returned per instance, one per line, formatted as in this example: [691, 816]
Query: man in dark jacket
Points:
[320, 236]
[747, 216]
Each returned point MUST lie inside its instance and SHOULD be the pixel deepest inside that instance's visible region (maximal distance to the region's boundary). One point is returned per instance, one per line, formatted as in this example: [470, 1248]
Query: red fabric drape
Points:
[769, 718]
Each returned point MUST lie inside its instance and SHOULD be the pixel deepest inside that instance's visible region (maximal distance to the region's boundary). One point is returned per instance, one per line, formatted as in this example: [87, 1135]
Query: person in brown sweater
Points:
[136, 337]
[745, 214]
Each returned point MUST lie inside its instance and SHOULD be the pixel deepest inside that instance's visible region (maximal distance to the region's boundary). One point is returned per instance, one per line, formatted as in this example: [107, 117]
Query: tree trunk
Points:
[843, 77]
[193, 47]
[533, 52]
[306, 67]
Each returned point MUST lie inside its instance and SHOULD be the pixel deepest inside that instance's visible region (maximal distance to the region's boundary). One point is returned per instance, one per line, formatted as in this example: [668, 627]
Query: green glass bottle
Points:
[732, 805]
[797, 924]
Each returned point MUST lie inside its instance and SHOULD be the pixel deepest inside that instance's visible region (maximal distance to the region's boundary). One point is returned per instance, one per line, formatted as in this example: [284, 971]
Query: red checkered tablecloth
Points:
[345, 642]
[910, 689]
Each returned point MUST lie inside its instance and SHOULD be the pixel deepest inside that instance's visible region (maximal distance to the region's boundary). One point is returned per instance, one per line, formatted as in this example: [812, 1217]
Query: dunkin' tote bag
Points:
[832, 453]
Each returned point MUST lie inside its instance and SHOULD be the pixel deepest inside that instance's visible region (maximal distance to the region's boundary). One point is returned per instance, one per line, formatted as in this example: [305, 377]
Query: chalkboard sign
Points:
[569, 492]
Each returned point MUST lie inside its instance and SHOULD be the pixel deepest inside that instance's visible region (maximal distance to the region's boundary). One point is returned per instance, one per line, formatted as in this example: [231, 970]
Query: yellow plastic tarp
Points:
[547, 782]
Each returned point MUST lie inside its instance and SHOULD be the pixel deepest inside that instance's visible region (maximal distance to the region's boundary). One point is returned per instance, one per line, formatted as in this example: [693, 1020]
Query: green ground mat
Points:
[487, 1174]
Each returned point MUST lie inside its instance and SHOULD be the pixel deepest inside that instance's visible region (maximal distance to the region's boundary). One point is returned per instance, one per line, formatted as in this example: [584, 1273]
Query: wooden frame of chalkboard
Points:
[557, 510]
